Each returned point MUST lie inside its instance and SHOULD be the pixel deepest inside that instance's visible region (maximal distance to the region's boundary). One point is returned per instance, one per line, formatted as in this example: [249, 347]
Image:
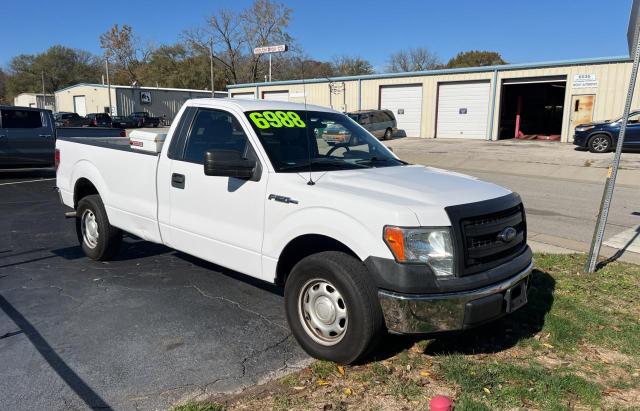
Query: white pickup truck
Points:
[361, 241]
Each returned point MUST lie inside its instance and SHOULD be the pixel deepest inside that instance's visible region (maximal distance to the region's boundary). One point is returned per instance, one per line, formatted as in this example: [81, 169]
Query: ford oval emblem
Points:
[507, 235]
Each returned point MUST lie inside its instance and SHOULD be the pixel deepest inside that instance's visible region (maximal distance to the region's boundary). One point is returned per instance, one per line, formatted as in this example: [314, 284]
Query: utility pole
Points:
[633, 39]
[270, 67]
[211, 64]
[106, 63]
[43, 96]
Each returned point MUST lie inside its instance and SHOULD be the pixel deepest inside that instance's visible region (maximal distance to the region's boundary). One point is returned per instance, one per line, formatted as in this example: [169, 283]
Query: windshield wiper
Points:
[373, 160]
[324, 163]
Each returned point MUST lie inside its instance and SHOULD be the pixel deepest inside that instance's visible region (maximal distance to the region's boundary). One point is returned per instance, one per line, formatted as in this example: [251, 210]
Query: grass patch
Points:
[573, 346]
[193, 406]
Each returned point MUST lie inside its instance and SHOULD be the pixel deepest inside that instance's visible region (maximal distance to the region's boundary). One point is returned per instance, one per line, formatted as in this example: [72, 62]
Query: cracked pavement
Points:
[145, 331]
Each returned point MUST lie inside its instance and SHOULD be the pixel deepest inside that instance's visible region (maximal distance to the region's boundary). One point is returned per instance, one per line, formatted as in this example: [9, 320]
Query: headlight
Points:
[431, 246]
[584, 128]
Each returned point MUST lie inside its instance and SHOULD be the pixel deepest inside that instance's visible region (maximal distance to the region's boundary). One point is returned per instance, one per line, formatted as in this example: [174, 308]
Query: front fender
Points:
[363, 239]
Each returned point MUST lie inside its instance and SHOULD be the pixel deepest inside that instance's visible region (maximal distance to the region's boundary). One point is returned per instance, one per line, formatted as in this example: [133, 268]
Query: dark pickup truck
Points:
[28, 136]
[63, 119]
[144, 119]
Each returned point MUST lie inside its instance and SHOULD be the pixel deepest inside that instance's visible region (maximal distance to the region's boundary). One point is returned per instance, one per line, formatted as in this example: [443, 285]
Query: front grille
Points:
[477, 228]
[481, 236]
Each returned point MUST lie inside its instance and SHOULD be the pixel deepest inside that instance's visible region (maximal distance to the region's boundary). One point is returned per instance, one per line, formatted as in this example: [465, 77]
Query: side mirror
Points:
[228, 163]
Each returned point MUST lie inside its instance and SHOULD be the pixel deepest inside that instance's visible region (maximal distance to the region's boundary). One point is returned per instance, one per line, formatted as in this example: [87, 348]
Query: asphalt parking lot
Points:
[142, 332]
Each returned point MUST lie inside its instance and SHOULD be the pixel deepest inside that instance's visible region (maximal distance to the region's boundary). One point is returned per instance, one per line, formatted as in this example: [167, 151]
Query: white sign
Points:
[585, 81]
[270, 49]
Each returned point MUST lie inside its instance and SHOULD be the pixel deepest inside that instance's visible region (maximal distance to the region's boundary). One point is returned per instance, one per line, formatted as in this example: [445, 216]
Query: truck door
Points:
[219, 219]
[29, 137]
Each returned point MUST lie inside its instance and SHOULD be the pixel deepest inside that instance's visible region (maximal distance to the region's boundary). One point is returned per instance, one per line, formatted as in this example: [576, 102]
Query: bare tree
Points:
[233, 36]
[417, 59]
[123, 47]
[351, 66]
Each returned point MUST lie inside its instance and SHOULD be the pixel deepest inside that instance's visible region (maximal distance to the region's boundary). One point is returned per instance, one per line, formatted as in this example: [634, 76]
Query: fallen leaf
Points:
[341, 370]
[485, 389]
[424, 374]
[547, 345]
[322, 382]
[347, 391]
[298, 388]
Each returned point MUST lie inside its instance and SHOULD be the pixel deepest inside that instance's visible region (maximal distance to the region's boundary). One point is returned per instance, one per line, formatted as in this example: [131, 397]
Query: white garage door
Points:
[406, 104]
[244, 96]
[276, 95]
[80, 105]
[463, 109]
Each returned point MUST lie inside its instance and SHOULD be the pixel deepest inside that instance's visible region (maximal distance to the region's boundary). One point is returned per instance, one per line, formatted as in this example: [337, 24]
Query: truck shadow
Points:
[490, 338]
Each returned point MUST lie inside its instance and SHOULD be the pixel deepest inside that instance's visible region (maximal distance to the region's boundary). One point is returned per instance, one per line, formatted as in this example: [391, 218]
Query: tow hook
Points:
[70, 214]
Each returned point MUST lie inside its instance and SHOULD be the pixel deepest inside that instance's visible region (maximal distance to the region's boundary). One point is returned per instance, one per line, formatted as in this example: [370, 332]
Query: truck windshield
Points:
[317, 141]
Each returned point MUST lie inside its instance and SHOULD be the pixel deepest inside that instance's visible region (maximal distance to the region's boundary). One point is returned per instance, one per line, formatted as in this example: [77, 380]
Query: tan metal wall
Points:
[613, 80]
[96, 98]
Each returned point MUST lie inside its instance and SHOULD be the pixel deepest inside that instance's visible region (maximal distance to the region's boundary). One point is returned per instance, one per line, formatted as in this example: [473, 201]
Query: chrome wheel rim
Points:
[89, 228]
[323, 312]
[600, 144]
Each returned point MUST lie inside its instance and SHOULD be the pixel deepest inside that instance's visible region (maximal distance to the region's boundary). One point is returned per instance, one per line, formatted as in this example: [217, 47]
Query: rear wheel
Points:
[99, 240]
[332, 307]
[600, 143]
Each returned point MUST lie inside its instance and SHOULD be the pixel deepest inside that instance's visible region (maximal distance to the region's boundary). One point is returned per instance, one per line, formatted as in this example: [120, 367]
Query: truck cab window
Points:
[213, 130]
[21, 118]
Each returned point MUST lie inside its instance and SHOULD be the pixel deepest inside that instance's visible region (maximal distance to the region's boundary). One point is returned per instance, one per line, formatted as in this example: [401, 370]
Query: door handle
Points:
[44, 135]
[177, 180]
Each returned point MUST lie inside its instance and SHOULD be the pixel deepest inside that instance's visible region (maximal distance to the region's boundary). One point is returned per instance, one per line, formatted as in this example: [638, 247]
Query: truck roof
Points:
[251, 105]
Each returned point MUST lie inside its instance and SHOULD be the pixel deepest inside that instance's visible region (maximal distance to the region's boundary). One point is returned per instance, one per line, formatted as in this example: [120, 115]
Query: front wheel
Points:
[332, 307]
[387, 134]
[600, 143]
[99, 240]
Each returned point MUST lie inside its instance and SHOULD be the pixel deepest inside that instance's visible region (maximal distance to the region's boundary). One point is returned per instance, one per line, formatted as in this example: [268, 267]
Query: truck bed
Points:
[125, 179]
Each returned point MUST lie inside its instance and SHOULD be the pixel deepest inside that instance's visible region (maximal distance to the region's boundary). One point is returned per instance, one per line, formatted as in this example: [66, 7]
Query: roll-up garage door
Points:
[463, 110]
[244, 96]
[80, 105]
[406, 104]
[276, 95]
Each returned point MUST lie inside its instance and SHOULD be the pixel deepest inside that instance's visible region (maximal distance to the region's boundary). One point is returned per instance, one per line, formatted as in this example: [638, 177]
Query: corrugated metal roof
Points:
[502, 67]
[140, 88]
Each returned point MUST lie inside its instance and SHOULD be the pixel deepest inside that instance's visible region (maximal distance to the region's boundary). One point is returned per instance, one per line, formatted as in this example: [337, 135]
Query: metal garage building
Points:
[538, 100]
[94, 98]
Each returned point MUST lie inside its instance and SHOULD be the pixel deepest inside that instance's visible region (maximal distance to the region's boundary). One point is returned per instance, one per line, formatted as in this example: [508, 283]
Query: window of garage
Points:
[244, 96]
[532, 108]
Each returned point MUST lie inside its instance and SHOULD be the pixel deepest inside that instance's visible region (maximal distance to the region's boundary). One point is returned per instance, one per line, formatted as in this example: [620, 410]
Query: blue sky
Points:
[522, 31]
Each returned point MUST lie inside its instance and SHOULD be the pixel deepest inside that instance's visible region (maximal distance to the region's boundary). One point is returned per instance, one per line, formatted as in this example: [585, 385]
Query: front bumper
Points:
[414, 314]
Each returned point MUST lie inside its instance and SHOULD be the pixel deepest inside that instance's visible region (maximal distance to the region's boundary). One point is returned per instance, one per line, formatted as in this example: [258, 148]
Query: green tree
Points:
[351, 66]
[3, 87]
[61, 66]
[476, 58]
[179, 66]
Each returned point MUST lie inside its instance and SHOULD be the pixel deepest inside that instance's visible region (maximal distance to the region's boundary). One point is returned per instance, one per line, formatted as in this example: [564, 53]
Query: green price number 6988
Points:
[276, 119]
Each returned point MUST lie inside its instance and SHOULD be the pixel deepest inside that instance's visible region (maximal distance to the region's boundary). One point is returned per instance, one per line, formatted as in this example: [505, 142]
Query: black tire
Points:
[348, 276]
[388, 133]
[599, 143]
[106, 243]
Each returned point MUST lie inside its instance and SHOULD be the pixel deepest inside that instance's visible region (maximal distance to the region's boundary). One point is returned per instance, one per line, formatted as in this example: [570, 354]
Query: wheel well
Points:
[304, 246]
[82, 189]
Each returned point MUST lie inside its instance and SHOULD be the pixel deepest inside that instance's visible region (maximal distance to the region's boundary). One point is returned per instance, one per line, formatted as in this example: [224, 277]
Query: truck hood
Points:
[421, 189]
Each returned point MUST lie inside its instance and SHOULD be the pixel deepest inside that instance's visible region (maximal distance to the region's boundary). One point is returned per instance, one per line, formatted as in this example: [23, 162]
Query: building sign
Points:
[585, 81]
[145, 97]
[462, 111]
[271, 49]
